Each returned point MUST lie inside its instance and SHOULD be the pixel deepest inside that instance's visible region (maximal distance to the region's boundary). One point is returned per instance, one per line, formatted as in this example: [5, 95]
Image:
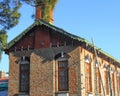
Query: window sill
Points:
[62, 93]
[23, 94]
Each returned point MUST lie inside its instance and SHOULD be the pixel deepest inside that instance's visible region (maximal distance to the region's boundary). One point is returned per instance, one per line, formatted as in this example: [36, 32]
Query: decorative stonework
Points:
[88, 58]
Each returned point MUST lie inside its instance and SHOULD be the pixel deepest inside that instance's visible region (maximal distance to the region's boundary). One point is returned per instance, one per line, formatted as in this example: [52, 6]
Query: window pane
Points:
[63, 64]
[88, 77]
[24, 77]
[63, 75]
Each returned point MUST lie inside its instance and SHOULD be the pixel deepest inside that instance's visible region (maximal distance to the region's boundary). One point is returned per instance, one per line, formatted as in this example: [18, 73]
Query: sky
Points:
[97, 19]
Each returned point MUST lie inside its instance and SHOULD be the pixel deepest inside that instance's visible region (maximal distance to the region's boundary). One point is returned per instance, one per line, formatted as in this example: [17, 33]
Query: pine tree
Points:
[45, 5]
[9, 17]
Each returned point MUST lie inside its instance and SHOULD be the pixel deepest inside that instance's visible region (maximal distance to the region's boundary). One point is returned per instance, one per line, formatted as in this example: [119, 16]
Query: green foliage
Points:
[3, 38]
[9, 17]
[3, 41]
[45, 5]
[9, 14]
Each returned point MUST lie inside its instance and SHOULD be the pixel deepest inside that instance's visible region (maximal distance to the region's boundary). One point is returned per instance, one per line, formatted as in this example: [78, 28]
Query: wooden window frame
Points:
[106, 82]
[119, 84]
[113, 83]
[64, 69]
[98, 80]
[24, 72]
[88, 77]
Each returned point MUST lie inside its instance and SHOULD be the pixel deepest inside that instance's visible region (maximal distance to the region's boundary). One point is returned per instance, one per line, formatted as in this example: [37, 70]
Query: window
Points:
[63, 75]
[118, 81]
[98, 80]
[113, 83]
[106, 81]
[88, 77]
[24, 76]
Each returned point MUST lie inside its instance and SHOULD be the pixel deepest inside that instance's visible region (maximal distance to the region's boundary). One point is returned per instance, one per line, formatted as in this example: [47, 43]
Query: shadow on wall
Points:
[53, 53]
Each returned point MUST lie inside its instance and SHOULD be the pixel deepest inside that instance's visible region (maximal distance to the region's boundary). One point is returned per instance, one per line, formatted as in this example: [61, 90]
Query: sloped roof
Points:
[42, 22]
[56, 29]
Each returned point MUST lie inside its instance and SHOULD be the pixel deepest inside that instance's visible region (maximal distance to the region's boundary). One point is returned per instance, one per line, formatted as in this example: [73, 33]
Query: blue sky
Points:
[97, 19]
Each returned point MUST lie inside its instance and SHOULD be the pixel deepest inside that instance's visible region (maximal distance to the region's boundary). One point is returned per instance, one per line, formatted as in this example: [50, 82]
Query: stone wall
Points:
[43, 71]
[13, 83]
[114, 69]
[13, 87]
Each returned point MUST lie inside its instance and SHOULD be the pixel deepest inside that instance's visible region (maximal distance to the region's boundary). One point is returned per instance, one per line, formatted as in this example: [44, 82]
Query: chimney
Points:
[41, 14]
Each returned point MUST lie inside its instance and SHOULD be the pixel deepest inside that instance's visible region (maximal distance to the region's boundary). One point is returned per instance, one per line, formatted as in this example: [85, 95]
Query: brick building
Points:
[48, 61]
[2, 74]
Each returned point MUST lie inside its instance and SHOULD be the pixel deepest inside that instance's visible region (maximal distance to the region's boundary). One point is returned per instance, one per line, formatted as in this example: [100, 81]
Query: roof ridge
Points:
[60, 30]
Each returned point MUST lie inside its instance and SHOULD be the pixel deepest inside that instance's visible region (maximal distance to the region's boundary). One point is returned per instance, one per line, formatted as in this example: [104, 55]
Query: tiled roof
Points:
[56, 29]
